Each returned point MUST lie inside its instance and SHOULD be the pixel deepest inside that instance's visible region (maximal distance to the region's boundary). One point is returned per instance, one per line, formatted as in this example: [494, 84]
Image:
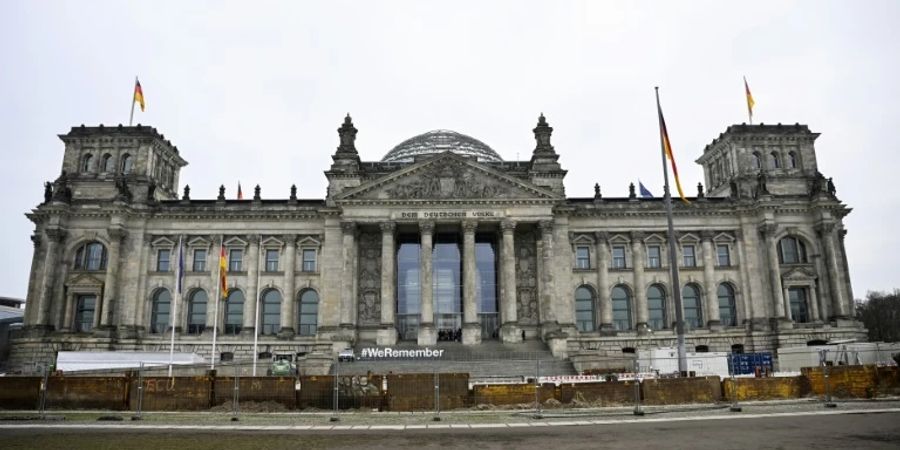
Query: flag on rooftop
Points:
[645, 193]
[750, 101]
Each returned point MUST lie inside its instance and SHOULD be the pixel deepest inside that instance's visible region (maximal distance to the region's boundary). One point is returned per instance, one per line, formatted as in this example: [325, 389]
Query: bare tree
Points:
[880, 313]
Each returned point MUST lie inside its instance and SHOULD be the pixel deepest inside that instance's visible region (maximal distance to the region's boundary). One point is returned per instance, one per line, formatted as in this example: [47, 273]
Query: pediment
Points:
[272, 242]
[654, 238]
[689, 237]
[199, 241]
[799, 274]
[581, 238]
[308, 241]
[84, 280]
[447, 176]
[723, 237]
[619, 239]
[235, 241]
[162, 241]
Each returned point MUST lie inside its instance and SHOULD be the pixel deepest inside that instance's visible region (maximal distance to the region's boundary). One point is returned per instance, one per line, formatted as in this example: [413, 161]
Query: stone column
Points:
[251, 297]
[640, 291]
[387, 333]
[778, 296]
[712, 297]
[606, 311]
[509, 330]
[742, 293]
[288, 315]
[788, 314]
[111, 284]
[813, 303]
[143, 304]
[427, 332]
[33, 294]
[471, 326]
[55, 236]
[833, 268]
[548, 315]
[348, 277]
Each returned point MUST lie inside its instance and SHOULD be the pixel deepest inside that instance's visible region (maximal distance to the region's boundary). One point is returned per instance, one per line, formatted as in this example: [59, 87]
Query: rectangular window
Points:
[235, 260]
[690, 258]
[618, 257]
[199, 260]
[271, 260]
[723, 255]
[309, 260]
[582, 257]
[799, 307]
[654, 260]
[84, 312]
[162, 260]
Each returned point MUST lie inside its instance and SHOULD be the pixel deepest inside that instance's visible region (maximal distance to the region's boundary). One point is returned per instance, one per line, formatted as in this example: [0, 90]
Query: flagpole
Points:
[131, 116]
[212, 356]
[673, 263]
[256, 324]
[175, 305]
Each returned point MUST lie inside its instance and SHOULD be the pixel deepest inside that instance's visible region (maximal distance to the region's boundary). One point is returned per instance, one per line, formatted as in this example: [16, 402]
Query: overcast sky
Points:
[254, 91]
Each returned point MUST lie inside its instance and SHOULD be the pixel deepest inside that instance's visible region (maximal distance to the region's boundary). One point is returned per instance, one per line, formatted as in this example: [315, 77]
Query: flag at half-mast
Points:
[138, 94]
[667, 148]
[750, 101]
[223, 270]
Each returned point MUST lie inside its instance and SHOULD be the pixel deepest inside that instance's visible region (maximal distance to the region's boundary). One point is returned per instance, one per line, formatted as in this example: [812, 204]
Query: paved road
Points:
[852, 431]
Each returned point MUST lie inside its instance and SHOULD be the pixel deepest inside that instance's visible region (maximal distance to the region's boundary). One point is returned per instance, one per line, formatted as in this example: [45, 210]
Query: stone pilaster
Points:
[471, 326]
[709, 281]
[509, 330]
[640, 290]
[605, 306]
[548, 315]
[777, 291]
[288, 303]
[212, 263]
[427, 332]
[55, 237]
[387, 333]
[111, 284]
[251, 298]
[833, 269]
[33, 294]
[348, 293]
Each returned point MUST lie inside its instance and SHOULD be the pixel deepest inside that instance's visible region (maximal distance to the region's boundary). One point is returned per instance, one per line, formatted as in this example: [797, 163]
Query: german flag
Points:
[138, 94]
[667, 148]
[750, 101]
[223, 271]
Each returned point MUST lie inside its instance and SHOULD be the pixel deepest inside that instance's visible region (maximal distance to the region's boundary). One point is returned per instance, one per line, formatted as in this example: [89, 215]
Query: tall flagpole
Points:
[177, 297]
[212, 356]
[256, 324]
[673, 263]
[131, 116]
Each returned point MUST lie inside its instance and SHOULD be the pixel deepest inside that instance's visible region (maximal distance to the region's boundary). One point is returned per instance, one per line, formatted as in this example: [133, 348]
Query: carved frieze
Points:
[526, 277]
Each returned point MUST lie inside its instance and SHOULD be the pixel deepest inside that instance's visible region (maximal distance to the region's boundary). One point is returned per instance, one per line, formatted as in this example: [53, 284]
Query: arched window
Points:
[621, 303]
[90, 257]
[776, 161]
[234, 311]
[160, 310]
[108, 163]
[584, 308]
[690, 299]
[792, 160]
[791, 250]
[197, 312]
[656, 307]
[727, 309]
[757, 161]
[86, 161]
[271, 312]
[309, 313]
[127, 163]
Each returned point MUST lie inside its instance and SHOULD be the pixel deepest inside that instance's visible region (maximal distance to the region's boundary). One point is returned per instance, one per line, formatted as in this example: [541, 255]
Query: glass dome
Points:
[439, 141]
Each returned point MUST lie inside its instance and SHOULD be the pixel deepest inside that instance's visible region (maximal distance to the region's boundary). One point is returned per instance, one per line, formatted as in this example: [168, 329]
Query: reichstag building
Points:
[440, 240]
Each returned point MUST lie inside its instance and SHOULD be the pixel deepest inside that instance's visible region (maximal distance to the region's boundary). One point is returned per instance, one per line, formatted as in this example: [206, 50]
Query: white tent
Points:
[76, 361]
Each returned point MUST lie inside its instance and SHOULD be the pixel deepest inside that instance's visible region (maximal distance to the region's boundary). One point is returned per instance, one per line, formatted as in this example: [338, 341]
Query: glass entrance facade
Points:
[447, 287]
[409, 289]
[486, 290]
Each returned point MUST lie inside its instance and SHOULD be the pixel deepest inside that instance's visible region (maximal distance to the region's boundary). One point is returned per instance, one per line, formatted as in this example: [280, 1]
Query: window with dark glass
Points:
[409, 289]
[656, 307]
[309, 260]
[86, 161]
[127, 163]
[792, 251]
[309, 313]
[727, 309]
[584, 309]
[85, 306]
[690, 258]
[693, 312]
[160, 310]
[486, 284]
[199, 264]
[582, 257]
[90, 257]
[197, 312]
[618, 257]
[757, 162]
[271, 260]
[235, 260]
[654, 259]
[723, 255]
[108, 163]
[621, 303]
[792, 158]
[799, 306]
[776, 161]
[271, 312]
[234, 312]
[447, 283]
[162, 260]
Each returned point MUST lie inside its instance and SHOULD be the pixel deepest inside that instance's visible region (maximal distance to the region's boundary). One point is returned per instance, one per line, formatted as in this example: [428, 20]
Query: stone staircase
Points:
[486, 361]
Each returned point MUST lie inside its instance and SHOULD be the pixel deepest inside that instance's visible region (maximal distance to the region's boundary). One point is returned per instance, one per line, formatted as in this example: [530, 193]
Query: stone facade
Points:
[437, 245]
